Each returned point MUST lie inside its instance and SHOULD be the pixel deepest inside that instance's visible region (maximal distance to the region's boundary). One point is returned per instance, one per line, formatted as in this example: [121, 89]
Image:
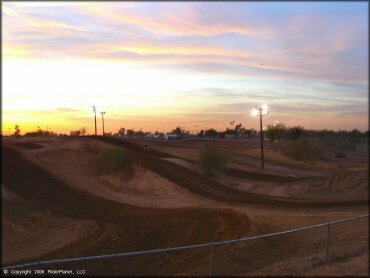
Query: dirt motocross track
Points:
[125, 228]
[208, 188]
[118, 223]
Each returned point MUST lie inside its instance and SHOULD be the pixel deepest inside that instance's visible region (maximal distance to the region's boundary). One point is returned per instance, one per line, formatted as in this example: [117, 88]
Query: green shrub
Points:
[110, 160]
[213, 158]
[303, 149]
[348, 144]
[339, 143]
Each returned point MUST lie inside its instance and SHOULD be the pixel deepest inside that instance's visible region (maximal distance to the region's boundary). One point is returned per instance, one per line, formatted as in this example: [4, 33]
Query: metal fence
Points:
[212, 246]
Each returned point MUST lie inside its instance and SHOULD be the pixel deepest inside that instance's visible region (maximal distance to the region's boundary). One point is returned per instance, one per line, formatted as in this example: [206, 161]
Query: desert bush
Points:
[213, 158]
[303, 149]
[339, 143]
[275, 132]
[293, 133]
[109, 160]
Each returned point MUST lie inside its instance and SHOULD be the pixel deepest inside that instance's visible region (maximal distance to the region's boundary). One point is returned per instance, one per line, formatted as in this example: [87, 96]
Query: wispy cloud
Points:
[192, 55]
[305, 44]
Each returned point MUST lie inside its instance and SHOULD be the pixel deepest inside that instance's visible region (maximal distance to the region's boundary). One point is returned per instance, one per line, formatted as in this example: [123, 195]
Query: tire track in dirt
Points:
[238, 173]
[124, 228]
[79, 247]
[136, 228]
[203, 186]
[229, 171]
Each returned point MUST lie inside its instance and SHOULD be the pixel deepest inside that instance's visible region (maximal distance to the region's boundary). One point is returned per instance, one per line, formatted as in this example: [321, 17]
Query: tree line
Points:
[273, 133]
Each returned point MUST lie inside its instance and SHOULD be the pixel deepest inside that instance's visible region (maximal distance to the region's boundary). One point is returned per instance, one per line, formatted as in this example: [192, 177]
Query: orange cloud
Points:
[184, 22]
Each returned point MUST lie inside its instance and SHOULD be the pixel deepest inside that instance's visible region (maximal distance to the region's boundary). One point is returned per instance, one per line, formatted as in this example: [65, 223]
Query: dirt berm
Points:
[203, 186]
[125, 228]
[122, 228]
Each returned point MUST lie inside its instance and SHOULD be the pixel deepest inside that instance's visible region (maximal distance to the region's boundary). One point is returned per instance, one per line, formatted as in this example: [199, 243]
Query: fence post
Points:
[211, 261]
[327, 243]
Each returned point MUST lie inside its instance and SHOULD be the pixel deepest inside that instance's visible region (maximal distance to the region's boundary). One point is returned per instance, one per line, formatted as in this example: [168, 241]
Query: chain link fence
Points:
[275, 247]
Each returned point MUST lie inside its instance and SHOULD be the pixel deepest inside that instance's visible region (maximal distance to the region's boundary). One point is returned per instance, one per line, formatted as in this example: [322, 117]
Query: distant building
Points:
[230, 136]
[158, 136]
[171, 136]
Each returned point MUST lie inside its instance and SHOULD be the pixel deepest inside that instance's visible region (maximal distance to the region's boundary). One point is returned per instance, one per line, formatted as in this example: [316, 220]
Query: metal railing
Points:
[212, 246]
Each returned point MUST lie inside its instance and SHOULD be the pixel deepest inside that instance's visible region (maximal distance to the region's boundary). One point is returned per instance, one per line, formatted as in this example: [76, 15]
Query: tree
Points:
[79, 132]
[275, 132]
[211, 132]
[295, 132]
[230, 131]
[355, 133]
[250, 132]
[213, 158]
[201, 133]
[75, 132]
[83, 131]
[40, 133]
[130, 133]
[140, 133]
[303, 149]
[178, 131]
[122, 131]
[240, 130]
[17, 131]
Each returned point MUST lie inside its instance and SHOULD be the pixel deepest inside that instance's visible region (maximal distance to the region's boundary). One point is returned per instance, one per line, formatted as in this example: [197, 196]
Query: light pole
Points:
[94, 109]
[102, 117]
[277, 137]
[261, 111]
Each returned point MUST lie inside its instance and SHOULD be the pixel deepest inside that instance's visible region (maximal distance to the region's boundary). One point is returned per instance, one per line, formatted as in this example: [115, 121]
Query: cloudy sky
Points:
[196, 64]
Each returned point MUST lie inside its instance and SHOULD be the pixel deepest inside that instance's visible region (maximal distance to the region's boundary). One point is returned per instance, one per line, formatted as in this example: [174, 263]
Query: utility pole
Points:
[96, 131]
[102, 117]
[261, 111]
[262, 157]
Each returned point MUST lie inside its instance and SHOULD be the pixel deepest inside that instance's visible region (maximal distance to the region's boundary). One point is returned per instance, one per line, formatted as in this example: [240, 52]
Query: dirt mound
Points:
[72, 161]
[125, 228]
[184, 163]
[212, 189]
[349, 186]
[141, 181]
[28, 231]
[28, 145]
[73, 144]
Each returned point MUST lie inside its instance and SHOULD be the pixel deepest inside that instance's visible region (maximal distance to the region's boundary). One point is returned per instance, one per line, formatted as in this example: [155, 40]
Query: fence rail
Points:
[210, 244]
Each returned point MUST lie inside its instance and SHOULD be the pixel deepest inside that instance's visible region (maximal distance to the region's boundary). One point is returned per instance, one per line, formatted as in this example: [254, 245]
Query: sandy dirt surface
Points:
[350, 185]
[57, 179]
[27, 230]
[213, 189]
[246, 153]
[70, 160]
[319, 181]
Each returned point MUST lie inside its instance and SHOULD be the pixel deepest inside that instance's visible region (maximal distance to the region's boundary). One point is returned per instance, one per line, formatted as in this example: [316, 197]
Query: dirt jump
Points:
[202, 185]
[40, 202]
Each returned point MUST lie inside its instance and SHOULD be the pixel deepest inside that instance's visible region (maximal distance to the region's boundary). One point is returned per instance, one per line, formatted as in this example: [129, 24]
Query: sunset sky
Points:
[195, 64]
